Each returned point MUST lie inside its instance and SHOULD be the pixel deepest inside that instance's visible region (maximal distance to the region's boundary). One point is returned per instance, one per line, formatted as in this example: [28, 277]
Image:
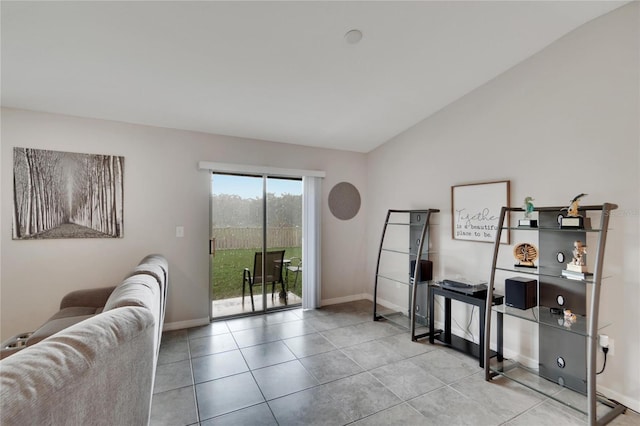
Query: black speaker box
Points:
[425, 273]
[520, 292]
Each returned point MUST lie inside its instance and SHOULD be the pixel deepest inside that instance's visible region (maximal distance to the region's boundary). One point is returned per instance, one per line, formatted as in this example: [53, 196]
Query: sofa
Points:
[93, 362]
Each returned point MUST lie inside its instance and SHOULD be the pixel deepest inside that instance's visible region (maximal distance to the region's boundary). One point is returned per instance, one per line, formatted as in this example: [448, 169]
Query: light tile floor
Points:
[334, 366]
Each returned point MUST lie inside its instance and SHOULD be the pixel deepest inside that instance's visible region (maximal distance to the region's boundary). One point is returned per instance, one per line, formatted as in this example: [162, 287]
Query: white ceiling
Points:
[278, 71]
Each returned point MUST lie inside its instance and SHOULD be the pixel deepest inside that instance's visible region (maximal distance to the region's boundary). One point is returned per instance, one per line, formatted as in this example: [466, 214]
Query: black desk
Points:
[459, 343]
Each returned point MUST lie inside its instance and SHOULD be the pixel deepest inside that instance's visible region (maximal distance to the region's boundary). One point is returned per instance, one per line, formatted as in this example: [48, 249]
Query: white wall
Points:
[163, 189]
[563, 122]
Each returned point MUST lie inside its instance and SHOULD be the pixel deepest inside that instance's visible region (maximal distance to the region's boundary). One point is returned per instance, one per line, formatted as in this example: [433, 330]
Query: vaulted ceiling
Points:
[278, 71]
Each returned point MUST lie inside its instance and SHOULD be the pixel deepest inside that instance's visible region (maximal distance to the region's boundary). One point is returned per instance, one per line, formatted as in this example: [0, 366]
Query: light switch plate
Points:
[179, 231]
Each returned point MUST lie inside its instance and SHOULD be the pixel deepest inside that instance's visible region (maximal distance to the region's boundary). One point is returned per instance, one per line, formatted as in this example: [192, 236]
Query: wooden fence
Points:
[250, 238]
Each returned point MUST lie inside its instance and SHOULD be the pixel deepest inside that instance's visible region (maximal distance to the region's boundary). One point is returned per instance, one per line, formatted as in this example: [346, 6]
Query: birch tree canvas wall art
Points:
[66, 195]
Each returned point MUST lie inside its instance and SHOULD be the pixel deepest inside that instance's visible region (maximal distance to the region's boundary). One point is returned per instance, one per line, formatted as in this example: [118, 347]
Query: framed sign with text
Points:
[475, 211]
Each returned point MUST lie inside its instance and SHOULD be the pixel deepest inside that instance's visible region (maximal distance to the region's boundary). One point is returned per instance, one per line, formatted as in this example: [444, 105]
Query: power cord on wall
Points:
[473, 310]
[604, 365]
[604, 344]
[466, 329]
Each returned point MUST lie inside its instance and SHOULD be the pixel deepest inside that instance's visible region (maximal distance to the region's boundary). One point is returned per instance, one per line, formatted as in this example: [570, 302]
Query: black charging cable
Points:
[604, 350]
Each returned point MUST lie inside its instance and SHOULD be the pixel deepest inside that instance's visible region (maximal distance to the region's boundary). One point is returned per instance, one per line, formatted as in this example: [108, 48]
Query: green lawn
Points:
[227, 267]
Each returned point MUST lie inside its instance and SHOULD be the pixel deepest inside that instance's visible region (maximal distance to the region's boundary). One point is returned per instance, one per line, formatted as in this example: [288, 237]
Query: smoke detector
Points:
[353, 36]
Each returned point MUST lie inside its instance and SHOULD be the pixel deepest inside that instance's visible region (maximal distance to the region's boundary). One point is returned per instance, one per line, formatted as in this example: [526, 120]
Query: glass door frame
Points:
[312, 219]
[264, 247]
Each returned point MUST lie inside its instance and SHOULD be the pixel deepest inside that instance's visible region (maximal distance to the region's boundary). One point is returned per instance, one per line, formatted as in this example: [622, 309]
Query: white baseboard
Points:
[345, 299]
[386, 304]
[627, 401]
[179, 325]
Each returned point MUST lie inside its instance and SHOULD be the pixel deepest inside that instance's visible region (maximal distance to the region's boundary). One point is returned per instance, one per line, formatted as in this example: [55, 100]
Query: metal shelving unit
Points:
[567, 349]
[403, 247]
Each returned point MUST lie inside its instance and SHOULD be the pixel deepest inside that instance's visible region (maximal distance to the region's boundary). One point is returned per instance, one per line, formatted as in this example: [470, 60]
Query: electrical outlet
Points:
[603, 339]
[606, 342]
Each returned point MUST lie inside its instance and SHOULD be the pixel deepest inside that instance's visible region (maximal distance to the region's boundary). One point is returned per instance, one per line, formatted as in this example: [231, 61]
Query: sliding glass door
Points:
[256, 244]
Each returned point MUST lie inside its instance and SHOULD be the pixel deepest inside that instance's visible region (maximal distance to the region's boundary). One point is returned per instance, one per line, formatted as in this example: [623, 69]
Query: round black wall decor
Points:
[344, 201]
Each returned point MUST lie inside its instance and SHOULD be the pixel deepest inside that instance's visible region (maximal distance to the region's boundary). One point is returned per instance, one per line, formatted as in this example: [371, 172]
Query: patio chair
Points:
[294, 266]
[273, 275]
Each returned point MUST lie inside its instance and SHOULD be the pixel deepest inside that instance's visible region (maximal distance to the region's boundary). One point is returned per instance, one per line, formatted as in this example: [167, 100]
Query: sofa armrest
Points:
[97, 372]
[93, 297]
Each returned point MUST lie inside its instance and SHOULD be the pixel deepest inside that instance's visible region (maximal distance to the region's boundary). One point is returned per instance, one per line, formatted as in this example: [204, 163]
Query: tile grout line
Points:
[254, 381]
[193, 378]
